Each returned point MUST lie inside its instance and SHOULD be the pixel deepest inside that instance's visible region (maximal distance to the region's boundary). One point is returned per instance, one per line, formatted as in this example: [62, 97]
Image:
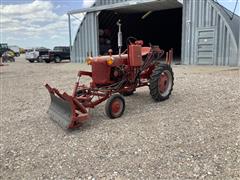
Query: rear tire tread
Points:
[154, 87]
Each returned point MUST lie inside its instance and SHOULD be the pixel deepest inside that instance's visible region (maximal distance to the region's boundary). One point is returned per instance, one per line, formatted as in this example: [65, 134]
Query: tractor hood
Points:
[144, 52]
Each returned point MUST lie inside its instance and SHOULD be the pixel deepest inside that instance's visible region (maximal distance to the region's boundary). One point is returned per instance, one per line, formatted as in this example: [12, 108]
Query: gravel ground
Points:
[193, 135]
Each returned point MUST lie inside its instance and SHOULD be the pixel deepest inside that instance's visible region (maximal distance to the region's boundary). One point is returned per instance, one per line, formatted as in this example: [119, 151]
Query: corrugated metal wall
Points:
[86, 40]
[239, 48]
[207, 35]
[107, 2]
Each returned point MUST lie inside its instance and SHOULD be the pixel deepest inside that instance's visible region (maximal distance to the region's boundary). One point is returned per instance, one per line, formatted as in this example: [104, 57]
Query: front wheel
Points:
[161, 82]
[115, 106]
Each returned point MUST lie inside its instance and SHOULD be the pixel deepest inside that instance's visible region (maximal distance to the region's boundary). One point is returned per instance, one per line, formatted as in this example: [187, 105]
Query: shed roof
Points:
[134, 6]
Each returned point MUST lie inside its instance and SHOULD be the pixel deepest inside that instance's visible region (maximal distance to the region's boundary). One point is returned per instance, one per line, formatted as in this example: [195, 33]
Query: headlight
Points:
[110, 61]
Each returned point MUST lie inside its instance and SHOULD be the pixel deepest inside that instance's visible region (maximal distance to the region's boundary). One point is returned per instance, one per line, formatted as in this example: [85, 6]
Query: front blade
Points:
[60, 111]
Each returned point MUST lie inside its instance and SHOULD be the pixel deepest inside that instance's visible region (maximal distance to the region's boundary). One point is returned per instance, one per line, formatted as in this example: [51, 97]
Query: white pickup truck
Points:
[35, 54]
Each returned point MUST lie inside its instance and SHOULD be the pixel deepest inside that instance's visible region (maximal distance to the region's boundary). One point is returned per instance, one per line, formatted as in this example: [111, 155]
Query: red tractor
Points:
[114, 76]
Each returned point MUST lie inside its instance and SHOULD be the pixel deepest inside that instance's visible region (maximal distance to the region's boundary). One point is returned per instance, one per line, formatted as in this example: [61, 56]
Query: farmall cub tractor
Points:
[114, 76]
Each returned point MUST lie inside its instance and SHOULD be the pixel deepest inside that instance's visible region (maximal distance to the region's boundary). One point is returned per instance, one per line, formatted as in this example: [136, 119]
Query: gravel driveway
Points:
[193, 135]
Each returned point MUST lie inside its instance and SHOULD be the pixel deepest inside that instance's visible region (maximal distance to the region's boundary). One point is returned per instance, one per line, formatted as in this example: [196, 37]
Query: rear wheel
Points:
[31, 60]
[47, 60]
[57, 59]
[161, 82]
[115, 106]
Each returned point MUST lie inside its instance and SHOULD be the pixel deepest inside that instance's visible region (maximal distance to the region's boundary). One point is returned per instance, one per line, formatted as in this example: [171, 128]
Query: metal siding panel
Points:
[85, 37]
[77, 52]
[233, 55]
[91, 34]
[188, 32]
[184, 18]
[214, 20]
[205, 13]
[218, 38]
[73, 51]
[83, 40]
[94, 32]
[223, 43]
[225, 46]
[220, 42]
[96, 39]
[193, 30]
[88, 34]
[231, 51]
[84, 43]
[238, 59]
[227, 49]
[208, 14]
[201, 13]
[73, 54]
[198, 12]
[212, 16]
[81, 47]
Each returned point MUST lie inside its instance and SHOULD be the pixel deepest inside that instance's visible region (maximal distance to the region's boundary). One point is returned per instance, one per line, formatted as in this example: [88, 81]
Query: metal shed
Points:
[200, 31]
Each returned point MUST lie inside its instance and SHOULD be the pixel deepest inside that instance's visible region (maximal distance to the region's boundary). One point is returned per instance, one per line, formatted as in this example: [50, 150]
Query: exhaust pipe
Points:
[119, 37]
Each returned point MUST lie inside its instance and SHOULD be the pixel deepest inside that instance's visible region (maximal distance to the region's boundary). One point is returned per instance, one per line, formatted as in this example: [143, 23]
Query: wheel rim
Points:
[57, 59]
[116, 107]
[165, 83]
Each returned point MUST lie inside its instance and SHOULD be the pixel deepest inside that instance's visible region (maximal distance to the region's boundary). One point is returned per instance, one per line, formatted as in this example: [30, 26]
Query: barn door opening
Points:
[163, 28]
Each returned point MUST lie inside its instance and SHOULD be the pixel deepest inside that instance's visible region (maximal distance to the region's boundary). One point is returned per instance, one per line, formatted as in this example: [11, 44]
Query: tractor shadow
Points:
[139, 103]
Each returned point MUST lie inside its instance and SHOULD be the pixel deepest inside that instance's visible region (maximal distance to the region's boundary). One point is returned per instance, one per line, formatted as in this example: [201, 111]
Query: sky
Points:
[44, 23]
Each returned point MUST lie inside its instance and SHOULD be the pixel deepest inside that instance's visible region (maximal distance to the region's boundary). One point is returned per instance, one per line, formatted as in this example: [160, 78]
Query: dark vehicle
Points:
[3, 48]
[36, 54]
[6, 53]
[58, 54]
